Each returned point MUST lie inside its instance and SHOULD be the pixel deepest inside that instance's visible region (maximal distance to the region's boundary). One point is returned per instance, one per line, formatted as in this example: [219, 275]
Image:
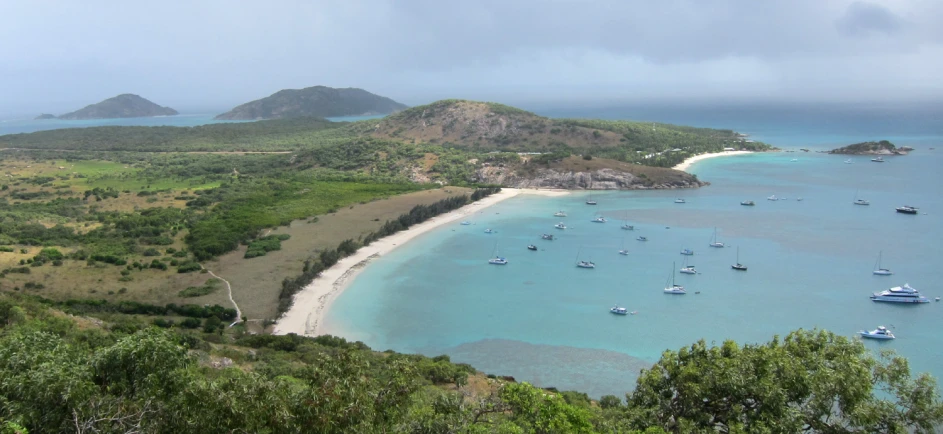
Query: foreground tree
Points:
[811, 381]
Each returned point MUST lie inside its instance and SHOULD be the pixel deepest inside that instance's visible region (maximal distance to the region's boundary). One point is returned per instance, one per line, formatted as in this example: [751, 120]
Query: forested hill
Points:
[318, 101]
[490, 126]
[868, 148]
[122, 106]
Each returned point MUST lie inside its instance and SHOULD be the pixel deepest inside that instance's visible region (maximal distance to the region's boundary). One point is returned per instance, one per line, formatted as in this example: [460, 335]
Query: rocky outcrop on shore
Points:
[601, 179]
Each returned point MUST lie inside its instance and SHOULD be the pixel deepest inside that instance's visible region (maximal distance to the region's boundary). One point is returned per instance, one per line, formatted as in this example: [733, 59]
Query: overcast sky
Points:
[58, 56]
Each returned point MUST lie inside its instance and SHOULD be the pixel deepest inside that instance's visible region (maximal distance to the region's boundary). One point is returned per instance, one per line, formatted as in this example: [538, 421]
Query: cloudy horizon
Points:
[212, 55]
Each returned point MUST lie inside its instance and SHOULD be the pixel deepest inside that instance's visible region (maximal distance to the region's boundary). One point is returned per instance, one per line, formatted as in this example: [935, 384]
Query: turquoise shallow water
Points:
[543, 320]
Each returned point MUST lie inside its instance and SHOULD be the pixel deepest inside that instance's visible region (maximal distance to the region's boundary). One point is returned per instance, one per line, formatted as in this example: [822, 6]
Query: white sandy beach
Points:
[684, 165]
[313, 301]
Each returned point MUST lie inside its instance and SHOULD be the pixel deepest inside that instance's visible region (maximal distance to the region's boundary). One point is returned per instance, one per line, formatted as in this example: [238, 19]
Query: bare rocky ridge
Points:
[122, 106]
[575, 173]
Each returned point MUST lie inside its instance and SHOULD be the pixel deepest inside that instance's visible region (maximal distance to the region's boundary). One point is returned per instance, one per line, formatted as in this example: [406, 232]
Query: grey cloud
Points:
[864, 19]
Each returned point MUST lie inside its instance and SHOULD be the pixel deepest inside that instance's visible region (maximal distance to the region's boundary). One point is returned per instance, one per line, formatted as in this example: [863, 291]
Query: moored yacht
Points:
[900, 294]
[531, 247]
[489, 231]
[879, 270]
[907, 209]
[599, 219]
[641, 238]
[747, 203]
[547, 237]
[559, 214]
[497, 260]
[465, 223]
[679, 200]
[585, 264]
[618, 310]
[773, 198]
[673, 288]
[688, 269]
[848, 161]
[861, 202]
[880, 333]
[714, 242]
[628, 227]
[560, 225]
[687, 252]
[878, 159]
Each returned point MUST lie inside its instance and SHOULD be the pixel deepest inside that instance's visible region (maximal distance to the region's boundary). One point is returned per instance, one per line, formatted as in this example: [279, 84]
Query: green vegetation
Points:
[318, 101]
[70, 374]
[265, 244]
[199, 291]
[122, 106]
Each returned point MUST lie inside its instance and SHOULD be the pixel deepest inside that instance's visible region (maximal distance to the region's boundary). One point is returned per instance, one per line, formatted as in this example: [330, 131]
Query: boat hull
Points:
[882, 272]
[902, 300]
[868, 335]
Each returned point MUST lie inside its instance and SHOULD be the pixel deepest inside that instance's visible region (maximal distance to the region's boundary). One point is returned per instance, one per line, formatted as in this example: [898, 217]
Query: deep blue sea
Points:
[543, 320]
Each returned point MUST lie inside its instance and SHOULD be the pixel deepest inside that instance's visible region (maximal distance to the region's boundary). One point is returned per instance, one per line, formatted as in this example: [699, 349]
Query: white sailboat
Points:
[714, 242]
[674, 288]
[560, 213]
[626, 225]
[623, 251]
[880, 271]
[497, 259]
[584, 264]
[738, 266]
[687, 269]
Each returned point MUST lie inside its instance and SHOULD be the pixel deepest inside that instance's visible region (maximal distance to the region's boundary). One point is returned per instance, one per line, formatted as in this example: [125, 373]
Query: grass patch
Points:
[265, 244]
[209, 287]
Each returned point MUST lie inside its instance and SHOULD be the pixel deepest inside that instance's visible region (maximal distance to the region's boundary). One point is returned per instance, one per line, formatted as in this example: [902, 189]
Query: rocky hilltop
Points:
[316, 101]
[883, 147]
[122, 106]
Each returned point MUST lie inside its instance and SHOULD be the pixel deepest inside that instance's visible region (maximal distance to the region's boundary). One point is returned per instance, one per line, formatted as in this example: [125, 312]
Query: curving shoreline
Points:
[686, 164]
[309, 306]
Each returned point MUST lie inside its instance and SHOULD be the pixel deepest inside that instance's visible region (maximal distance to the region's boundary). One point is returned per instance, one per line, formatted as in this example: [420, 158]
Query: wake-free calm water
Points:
[543, 320]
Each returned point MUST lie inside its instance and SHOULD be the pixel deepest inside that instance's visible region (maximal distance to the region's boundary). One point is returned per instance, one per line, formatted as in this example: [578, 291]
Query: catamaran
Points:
[880, 271]
[878, 159]
[560, 225]
[679, 200]
[559, 214]
[687, 269]
[623, 251]
[674, 288]
[626, 225]
[641, 238]
[738, 266]
[497, 259]
[583, 264]
[714, 242]
[599, 219]
[618, 310]
[548, 237]
[687, 252]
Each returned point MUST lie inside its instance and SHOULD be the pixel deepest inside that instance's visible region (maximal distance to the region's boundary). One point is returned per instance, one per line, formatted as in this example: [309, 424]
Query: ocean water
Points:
[28, 125]
[543, 320]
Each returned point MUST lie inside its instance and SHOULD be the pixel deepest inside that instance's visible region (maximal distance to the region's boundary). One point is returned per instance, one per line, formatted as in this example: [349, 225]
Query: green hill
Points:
[868, 148]
[319, 101]
[122, 106]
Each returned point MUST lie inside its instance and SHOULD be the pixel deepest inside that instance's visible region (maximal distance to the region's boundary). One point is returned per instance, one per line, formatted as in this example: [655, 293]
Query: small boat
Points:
[714, 242]
[599, 219]
[799, 199]
[906, 209]
[618, 310]
[880, 333]
[531, 247]
[489, 231]
[878, 159]
[687, 252]
[860, 201]
[628, 227]
[559, 214]
[738, 266]
[848, 161]
[641, 238]
[465, 223]
[899, 294]
[686, 268]
[773, 198]
[938, 298]
[794, 159]
[590, 201]
[560, 225]
[679, 200]
[674, 288]
[497, 259]
[878, 270]
[547, 237]
[747, 203]
[623, 251]
[583, 264]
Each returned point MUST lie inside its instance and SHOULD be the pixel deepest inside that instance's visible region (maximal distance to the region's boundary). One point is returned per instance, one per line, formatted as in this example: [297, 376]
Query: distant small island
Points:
[44, 116]
[122, 106]
[316, 101]
[882, 147]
